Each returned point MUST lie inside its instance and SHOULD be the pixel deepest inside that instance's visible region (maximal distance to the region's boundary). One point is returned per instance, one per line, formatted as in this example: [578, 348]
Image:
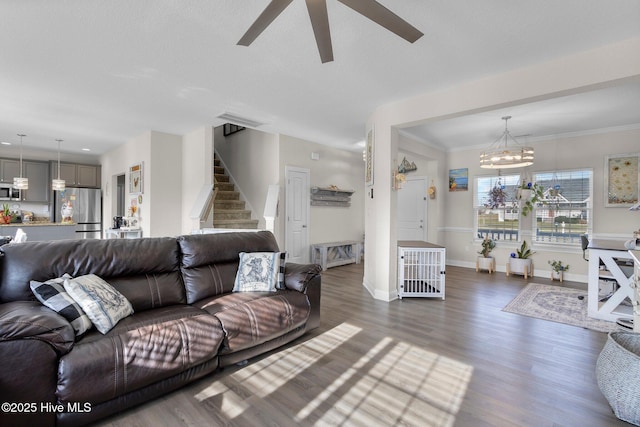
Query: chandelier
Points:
[20, 182]
[501, 156]
[58, 184]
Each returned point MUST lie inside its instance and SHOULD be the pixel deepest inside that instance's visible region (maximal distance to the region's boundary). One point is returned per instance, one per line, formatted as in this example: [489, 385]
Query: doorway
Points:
[120, 195]
[297, 218]
[412, 209]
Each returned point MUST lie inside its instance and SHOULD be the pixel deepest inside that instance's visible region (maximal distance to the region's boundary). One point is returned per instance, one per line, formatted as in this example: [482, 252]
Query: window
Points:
[567, 211]
[495, 207]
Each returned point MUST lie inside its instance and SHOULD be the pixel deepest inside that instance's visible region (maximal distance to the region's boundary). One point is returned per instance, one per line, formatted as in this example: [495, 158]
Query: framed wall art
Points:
[136, 178]
[459, 179]
[622, 180]
[368, 157]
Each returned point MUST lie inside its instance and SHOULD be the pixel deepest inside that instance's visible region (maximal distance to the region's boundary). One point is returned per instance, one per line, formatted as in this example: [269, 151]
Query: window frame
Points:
[588, 209]
[514, 179]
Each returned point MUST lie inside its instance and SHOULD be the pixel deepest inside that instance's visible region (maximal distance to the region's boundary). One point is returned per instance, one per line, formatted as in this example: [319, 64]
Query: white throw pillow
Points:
[260, 272]
[104, 305]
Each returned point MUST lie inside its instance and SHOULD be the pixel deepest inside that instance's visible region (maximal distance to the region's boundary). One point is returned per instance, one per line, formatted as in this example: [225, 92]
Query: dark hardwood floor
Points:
[523, 371]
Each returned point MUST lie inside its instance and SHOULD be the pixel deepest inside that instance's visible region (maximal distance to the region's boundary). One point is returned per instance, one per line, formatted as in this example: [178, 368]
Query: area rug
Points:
[557, 304]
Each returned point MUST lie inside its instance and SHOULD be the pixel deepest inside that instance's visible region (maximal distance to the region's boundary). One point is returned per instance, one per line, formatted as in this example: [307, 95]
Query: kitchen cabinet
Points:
[77, 175]
[9, 168]
[38, 174]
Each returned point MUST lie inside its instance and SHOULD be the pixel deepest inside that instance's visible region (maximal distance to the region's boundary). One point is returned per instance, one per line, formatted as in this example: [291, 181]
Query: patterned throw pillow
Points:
[260, 272]
[52, 294]
[104, 305]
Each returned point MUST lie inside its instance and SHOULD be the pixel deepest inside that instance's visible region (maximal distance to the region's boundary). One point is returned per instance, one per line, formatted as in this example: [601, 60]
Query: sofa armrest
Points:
[298, 276]
[27, 320]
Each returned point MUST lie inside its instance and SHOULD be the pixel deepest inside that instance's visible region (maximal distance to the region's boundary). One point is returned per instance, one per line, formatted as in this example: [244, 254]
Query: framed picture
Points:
[459, 179]
[622, 180]
[136, 178]
[368, 156]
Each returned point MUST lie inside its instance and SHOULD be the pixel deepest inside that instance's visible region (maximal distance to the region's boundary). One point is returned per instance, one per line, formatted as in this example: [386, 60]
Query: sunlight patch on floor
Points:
[405, 386]
[391, 383]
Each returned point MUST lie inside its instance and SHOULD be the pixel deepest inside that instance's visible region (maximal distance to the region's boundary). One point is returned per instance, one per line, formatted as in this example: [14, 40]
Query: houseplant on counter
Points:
[485, 261]
[5, 214]
[557, 269]
[519, 262]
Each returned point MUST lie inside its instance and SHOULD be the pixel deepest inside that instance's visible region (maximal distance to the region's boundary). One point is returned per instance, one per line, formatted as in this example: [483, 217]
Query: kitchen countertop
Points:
[36, 223]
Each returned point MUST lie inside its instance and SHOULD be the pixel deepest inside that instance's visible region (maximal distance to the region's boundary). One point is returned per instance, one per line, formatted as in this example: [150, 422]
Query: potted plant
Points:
[557, 269]
[5, 214]
[519, 262]
[497, 196]
[536, 195]
[485, 261]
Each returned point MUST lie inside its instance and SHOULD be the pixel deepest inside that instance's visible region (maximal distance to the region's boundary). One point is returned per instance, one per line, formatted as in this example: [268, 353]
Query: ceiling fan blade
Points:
[320, 23]
[271, 12]
[384, 17]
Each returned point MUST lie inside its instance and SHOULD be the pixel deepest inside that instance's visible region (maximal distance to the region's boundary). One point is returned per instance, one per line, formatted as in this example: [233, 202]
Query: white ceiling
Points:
[97, 73]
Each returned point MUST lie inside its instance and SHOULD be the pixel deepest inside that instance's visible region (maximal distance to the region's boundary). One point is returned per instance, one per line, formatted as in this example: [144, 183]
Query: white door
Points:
[412, 209]
[297, 209]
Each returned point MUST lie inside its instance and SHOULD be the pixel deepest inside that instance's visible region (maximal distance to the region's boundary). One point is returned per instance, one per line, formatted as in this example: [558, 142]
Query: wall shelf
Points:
[329, 196]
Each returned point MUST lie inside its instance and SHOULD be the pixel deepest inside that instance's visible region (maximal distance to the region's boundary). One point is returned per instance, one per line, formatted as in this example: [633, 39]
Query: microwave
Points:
[7, 192]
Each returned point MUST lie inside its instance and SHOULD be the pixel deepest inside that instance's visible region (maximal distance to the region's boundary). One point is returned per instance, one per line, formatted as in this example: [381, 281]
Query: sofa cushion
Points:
[53, 295]
[210, 261]
[140, 350]
[251, 318]
[104, 305]
[137, 258]
[260, 271]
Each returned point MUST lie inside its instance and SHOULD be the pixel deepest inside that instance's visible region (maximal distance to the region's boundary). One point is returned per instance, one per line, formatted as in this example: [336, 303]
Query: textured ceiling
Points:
[97, 73]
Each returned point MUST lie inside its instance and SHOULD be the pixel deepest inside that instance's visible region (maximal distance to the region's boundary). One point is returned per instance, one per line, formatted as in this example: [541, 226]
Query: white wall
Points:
[117, 162]
[160, 210]
[196, 170]
[344, 169]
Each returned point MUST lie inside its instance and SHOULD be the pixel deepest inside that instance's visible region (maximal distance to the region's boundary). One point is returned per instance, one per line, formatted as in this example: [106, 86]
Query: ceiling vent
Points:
[241, 121]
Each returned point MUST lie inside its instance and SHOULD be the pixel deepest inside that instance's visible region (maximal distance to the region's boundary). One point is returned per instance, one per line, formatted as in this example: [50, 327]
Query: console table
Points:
[617, 267]
[122, 233]
[333, 254]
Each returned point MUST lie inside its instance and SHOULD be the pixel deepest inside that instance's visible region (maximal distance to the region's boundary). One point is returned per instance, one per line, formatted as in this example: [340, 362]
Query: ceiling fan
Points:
[320, 22]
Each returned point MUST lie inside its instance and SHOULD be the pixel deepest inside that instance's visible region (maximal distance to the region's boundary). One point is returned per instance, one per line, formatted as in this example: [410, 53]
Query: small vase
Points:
[556, 275]
[67, 213]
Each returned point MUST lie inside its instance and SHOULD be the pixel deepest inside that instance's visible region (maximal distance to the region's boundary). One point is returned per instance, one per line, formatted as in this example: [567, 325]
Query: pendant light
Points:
[500, 156]
[20, 183]
[58, 184]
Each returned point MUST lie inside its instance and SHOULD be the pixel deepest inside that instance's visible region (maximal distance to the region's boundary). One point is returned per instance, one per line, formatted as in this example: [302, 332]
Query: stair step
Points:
[225, 186]
[231, 223]
[227, 204]
[221, 178]
[216, 161]
[218, 170]
[232, 214]
[228, 195]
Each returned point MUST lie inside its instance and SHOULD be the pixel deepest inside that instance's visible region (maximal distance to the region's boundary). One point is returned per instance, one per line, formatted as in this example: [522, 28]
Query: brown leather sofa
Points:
[186, 323]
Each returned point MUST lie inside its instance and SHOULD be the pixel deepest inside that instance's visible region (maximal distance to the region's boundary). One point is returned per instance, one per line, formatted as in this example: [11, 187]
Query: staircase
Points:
[228, 210]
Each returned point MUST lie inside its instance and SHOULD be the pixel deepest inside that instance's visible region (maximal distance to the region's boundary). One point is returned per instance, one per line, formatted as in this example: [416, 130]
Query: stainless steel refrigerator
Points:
[87, 210]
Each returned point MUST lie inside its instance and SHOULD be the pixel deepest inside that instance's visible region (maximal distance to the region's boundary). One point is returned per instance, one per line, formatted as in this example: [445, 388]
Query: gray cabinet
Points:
[77, 175]
[9, 169]
[38, 174]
